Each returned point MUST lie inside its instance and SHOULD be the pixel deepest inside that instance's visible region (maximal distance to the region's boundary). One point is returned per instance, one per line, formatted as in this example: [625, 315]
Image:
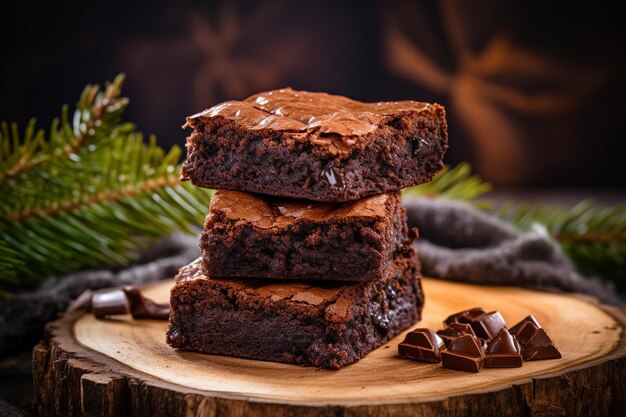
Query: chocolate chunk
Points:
[455, 330]
[109, 302]
[503, 351]
[334, 178]
[464, 354]
[421, 344]
[129, 299]
[525, 332]
[540, 347]
[422, 147]
[465, 316]
[487, 326]
[381, 321]
[515, 329]
[503, 343]
[467, 345]
[144, 308]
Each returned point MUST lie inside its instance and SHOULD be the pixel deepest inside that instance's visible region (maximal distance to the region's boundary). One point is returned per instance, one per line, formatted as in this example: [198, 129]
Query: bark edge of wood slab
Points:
[73, 379]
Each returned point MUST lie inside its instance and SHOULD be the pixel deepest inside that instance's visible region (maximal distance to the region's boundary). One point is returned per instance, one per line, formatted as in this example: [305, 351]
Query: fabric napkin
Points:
[457, 242]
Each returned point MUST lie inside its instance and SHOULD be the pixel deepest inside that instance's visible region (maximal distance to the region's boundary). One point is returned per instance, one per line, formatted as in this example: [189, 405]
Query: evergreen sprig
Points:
[88, 192]
[593, 237]
[457, 183]
[91, 191]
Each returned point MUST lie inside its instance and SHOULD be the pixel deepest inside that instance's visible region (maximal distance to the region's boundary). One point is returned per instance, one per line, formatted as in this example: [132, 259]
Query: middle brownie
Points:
[252, 235]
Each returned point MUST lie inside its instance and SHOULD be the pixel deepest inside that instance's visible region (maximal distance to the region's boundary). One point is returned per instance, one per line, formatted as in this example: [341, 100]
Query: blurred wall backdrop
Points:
[534, 90]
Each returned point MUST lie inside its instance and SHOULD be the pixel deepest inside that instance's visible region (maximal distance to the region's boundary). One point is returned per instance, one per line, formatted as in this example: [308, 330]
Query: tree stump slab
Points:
[123, 367]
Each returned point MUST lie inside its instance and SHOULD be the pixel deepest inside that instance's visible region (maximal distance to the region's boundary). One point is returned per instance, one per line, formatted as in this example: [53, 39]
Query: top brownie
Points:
[315, 146]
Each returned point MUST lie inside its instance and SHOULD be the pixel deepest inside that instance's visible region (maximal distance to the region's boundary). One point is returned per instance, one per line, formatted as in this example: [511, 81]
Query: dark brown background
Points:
[534, 91]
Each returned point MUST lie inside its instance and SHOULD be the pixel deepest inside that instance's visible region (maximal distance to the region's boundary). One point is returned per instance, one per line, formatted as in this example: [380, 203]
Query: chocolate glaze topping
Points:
[266, 212]
[330, 296]
[311, 292]
[300, 111]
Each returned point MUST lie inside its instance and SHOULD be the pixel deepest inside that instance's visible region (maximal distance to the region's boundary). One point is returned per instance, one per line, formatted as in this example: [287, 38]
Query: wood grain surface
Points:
[124, 367]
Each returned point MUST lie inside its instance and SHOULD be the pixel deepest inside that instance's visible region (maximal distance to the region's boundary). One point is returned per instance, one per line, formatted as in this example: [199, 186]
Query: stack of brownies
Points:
[306, 255]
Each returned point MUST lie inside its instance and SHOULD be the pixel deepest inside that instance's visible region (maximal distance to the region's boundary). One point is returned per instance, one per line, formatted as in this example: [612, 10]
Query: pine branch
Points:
[593, 237]
[91, 192]
[87, 193]
[10, 266]
[458, 183]
[97, 114]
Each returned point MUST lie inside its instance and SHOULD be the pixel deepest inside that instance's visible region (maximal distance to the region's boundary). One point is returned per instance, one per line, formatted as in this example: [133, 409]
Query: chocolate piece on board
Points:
[423, 345]
[530, 318]
[540, 347]
[129, 299]
[465, 316]
[525, 332]
[144, 308]
[487, 326]
[503, 351]
[455, 330]
[109, 302]
[465, 353]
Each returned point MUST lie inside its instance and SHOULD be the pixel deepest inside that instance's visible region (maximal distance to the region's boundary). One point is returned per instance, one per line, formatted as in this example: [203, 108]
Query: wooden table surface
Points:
[16, 386]
[103, 361]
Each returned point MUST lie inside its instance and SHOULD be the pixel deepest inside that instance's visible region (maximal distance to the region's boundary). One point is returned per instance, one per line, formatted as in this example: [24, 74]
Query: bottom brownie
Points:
[323, 324]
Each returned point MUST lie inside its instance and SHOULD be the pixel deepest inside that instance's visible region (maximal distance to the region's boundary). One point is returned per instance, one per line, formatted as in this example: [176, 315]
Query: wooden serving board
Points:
[124, 368]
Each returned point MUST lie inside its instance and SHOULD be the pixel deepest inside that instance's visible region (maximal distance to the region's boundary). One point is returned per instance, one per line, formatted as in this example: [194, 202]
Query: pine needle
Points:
[88, 192]
[458, 183]
[593, 237]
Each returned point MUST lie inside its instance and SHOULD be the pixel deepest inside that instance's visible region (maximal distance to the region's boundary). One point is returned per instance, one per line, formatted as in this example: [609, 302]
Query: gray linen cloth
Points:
[457, 242]
[22, 317]
[461, 243]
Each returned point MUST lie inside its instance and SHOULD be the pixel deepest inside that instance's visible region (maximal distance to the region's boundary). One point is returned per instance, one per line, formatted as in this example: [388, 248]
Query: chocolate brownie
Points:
[253, 235]
[315, 146]
[318, 323]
